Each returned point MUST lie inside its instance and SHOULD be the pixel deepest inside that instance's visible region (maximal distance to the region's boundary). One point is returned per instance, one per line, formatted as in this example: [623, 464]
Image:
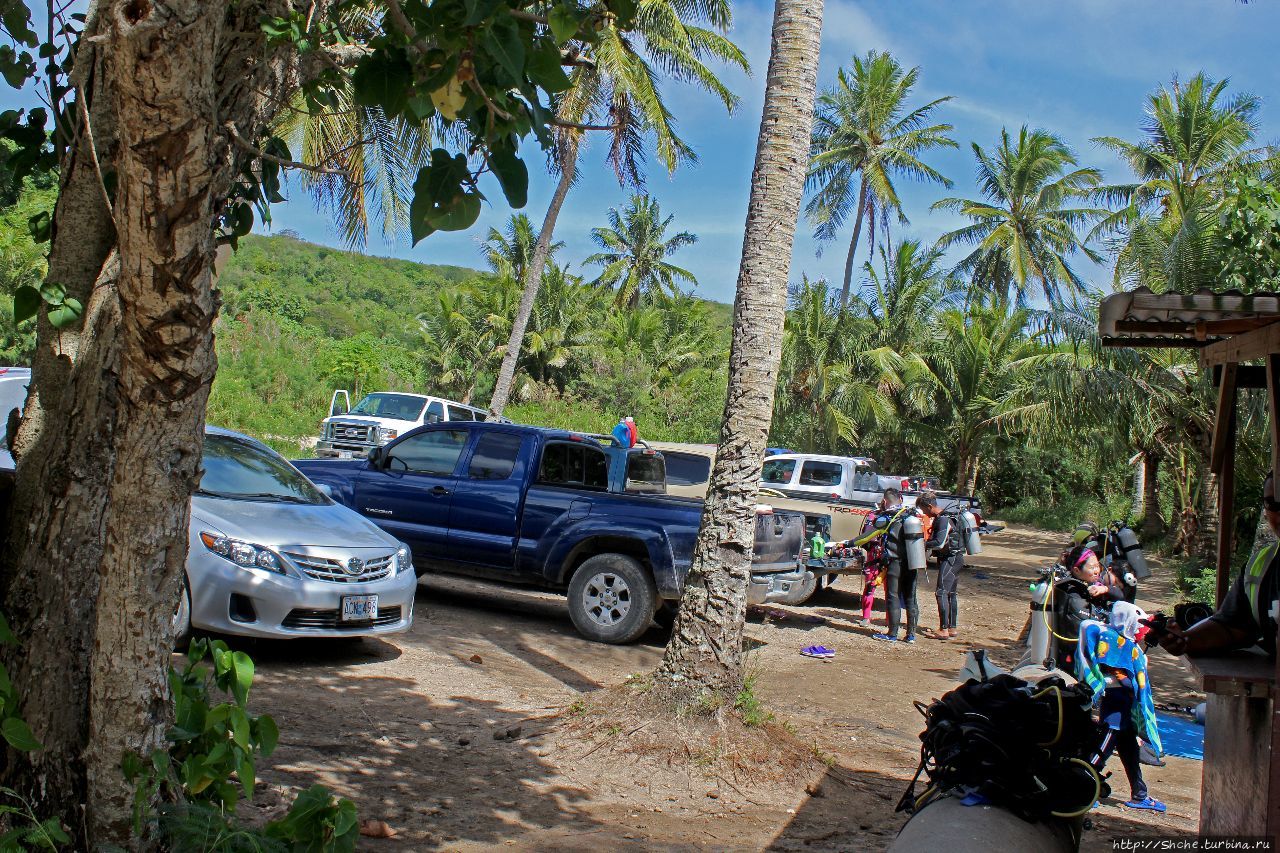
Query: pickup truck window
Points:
[435, 412]
[433, 452]
[457, 413]
[495, 456]
[814, 473]
[646, 474]
[778, 470]
[687, 469]
[572, 464]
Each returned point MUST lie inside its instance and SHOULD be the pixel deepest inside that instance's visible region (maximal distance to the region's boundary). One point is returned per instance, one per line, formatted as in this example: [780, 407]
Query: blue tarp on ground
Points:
[1181, 736]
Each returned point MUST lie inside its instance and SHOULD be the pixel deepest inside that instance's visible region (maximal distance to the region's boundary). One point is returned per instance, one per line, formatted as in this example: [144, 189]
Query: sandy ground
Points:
[447, 732]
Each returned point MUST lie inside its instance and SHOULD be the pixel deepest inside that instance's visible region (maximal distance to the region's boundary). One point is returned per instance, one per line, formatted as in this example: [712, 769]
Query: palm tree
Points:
[615, 89]
[562, 328]
[636, 244]
[982, 354]
[509, 252]
[835, 386]
[1024, 229]
[704, 659]
[863, 127]
[1192, 141]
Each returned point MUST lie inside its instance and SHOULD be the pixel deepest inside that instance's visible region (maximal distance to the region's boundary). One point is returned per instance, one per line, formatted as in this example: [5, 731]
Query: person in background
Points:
[873, 568]
[622, 434]
[1248, 614]
[632, 430]
[899, 581]
[943, 543]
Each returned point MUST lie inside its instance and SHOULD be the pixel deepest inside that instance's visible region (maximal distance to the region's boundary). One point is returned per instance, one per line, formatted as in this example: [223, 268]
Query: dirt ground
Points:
[449, 733]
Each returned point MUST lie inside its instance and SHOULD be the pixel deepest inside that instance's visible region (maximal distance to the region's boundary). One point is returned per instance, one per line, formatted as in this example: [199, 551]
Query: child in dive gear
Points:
[1110, 660]
[873, 567]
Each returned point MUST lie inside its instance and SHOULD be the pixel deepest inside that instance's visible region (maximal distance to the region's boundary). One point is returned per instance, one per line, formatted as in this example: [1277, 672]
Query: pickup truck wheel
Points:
[612, 599]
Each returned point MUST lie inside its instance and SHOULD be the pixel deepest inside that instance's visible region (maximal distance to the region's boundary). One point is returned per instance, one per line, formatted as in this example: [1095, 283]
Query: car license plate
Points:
[344, 454]
[359, 608]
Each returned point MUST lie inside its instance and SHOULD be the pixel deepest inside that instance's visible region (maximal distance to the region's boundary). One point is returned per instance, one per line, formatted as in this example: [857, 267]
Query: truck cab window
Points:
[572, 464]
[646, 474]
[687, 469]
[435, 412]
[434, 452]
[778, 471]
[457, 413]
[814, 473]
[495, 456]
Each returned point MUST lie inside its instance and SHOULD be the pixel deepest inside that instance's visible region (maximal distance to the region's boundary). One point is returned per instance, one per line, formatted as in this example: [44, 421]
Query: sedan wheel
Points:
[182, 618]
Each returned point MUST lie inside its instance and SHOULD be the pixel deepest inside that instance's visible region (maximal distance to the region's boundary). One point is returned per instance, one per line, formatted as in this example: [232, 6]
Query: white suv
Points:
[381, 417]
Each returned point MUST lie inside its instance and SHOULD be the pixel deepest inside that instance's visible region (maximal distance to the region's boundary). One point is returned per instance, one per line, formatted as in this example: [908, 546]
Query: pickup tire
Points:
[612, 599]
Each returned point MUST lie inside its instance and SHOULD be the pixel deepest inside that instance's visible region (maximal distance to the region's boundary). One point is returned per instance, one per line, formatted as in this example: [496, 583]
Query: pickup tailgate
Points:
[779, 539]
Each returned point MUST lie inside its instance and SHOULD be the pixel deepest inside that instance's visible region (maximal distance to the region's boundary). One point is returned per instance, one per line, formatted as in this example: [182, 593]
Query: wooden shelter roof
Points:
[1142, 318]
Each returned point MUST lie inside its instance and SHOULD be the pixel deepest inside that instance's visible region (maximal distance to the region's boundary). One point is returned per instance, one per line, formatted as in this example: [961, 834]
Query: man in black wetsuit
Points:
[899, 581]
[944, 544]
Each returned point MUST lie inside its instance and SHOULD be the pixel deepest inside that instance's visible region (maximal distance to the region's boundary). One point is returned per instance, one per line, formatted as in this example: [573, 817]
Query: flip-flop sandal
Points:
[1148, 804]
[818, 652]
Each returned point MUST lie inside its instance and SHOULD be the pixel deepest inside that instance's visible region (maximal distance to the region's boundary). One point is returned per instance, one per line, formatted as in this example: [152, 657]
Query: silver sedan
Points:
[272, 556]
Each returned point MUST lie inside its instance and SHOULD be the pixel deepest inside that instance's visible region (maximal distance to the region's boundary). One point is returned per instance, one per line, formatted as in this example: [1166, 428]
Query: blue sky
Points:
[1079, 68]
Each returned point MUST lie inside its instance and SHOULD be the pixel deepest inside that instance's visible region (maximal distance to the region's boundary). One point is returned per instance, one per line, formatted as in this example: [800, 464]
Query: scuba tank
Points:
[969, 533]
[913, 535]
[1039, 638]
[1129, 549]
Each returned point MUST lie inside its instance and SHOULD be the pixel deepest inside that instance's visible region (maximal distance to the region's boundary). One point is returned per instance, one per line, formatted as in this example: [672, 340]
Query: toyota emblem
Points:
[355, 566]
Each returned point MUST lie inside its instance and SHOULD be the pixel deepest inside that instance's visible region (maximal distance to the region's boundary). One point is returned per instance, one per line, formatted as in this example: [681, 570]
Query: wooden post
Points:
[1222, 461]
[1273, 790]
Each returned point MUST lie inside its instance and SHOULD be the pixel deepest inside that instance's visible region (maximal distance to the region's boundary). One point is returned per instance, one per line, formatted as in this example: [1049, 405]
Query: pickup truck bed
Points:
[539, 507]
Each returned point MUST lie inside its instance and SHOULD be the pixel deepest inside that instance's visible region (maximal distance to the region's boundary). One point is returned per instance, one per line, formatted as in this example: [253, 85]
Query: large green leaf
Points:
[18, 734]
[503, 42]
[383, 79]
[511, 173]
[26, 303]
[545, 70]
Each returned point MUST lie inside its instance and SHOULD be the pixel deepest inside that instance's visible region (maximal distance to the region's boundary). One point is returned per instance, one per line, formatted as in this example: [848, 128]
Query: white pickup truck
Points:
[350, 433]
[849, 478]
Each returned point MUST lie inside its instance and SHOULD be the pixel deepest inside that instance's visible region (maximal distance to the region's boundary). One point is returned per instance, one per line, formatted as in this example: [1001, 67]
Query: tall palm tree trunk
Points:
[853, 242]
[705, 652]
[533, 276]
[1152, 520]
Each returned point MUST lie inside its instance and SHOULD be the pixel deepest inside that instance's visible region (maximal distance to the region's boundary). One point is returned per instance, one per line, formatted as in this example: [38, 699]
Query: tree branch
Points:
[573, 125]
[86, 134]
[522, 15]
[288, 164]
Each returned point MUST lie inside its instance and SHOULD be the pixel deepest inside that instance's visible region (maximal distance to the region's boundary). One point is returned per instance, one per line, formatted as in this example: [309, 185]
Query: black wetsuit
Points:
[942, 544]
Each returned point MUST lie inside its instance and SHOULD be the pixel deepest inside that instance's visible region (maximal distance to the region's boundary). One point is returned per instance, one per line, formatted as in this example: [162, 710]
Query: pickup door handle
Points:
[439, 490]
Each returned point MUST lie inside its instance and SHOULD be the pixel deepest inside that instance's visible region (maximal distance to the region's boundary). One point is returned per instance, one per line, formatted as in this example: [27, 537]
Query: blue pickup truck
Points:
[543, 507]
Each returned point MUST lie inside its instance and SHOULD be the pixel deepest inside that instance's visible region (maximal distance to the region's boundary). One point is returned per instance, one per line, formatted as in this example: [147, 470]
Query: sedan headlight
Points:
[404, 559]
[243, 554]
[385, 434]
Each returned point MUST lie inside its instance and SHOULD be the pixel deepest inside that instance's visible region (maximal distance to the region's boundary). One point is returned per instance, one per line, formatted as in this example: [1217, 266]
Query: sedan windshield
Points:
[241, 470]
[399, 406]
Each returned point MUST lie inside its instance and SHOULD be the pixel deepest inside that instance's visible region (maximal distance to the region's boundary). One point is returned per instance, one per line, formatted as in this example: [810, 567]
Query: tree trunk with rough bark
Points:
[533, 276]
[705, 651]
[853, 242]
[1152, 520]
[1206, 540]
[109, 450]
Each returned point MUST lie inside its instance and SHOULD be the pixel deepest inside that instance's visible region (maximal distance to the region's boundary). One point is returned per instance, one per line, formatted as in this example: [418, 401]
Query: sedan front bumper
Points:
[248, 601]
